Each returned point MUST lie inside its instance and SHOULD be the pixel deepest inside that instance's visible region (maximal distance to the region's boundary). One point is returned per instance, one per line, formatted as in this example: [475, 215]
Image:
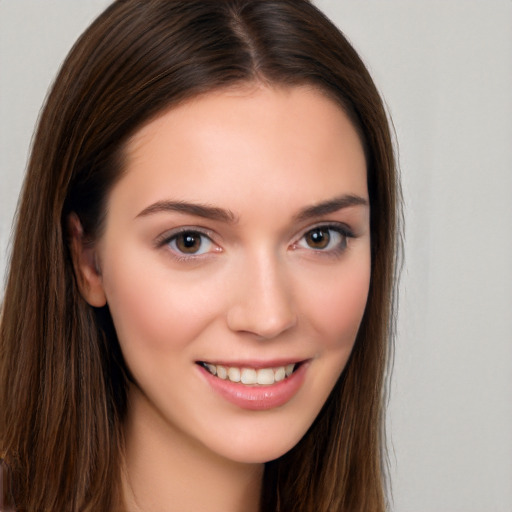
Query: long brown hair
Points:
[62, 376]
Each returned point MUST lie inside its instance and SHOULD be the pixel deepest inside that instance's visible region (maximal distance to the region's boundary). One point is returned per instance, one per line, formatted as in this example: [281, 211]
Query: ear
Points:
[85, 263]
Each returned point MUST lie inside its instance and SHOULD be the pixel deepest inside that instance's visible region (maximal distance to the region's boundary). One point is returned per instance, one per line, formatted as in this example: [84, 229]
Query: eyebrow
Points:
[222, 215]
[196, 209]
[330, 206]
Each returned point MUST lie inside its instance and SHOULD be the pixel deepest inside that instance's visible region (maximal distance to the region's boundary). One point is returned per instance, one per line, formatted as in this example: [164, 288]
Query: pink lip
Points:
[257, 398]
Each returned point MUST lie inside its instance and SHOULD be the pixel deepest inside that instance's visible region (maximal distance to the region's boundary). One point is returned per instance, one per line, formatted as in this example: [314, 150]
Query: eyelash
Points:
[340, 230]
[171, 239]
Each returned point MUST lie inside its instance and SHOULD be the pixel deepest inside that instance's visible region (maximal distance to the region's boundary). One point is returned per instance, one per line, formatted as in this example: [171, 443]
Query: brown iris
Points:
[188, 242]
[318, 238]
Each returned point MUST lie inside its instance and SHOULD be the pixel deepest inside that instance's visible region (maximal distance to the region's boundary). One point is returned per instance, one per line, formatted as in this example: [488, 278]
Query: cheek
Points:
[337, 307]
[153, 312]
[335, 312]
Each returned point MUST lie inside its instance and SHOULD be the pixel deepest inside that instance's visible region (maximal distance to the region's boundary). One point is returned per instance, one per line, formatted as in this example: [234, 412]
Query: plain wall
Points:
[445, 71]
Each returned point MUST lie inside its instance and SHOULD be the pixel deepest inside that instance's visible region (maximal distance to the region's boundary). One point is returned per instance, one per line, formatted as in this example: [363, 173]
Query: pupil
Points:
[190, 241]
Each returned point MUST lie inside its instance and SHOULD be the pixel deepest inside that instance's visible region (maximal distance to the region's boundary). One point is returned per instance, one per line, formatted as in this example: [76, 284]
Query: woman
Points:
[199, 299]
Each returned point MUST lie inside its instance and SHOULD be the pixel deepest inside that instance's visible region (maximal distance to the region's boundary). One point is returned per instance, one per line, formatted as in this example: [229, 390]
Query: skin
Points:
[256, 288]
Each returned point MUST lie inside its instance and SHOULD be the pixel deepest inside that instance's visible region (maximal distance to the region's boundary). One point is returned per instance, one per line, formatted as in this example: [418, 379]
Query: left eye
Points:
[323, 238]
[190, 243]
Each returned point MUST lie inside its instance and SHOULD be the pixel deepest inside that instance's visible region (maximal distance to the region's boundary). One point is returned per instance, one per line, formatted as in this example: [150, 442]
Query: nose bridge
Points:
[262, 302]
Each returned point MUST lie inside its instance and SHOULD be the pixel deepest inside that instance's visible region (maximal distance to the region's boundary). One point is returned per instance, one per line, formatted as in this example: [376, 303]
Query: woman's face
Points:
[237, 246]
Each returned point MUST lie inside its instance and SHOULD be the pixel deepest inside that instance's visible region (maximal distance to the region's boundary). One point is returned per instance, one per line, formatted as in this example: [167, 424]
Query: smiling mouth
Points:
[250, 376]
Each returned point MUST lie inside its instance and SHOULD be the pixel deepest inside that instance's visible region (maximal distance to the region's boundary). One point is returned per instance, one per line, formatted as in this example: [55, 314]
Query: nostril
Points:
[261, 326]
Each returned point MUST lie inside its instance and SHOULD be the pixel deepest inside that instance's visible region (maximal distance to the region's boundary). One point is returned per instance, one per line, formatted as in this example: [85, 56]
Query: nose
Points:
[261, 299]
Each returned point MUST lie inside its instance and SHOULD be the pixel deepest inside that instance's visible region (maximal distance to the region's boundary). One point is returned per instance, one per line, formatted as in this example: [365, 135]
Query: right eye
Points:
[190, 243]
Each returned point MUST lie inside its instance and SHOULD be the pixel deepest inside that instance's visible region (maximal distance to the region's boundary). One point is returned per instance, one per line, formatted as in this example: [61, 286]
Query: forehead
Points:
[269, 143]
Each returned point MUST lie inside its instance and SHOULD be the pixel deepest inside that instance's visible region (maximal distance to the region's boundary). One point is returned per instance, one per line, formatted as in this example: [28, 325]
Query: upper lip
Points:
[254, 363]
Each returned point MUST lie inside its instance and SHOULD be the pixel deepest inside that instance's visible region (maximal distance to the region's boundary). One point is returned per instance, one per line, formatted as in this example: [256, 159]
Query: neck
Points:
[166, 470]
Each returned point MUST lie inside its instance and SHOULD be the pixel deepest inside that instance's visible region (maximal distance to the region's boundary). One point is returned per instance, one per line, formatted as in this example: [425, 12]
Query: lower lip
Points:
[257, 398]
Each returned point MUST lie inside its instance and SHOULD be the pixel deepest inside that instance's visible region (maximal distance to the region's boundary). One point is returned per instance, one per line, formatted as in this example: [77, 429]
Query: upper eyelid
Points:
[164, 241]
[340, 226]
[343, 230]
[168, 235]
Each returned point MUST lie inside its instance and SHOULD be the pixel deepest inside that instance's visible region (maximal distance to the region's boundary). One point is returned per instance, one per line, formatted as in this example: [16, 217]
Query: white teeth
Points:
[234, 374]
[211, 368]
[251, 376]
[266, 376]
[221, 371]
[280, 374]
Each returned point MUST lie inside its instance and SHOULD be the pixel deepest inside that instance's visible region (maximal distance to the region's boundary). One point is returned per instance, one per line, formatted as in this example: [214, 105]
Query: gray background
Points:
[445, 70]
